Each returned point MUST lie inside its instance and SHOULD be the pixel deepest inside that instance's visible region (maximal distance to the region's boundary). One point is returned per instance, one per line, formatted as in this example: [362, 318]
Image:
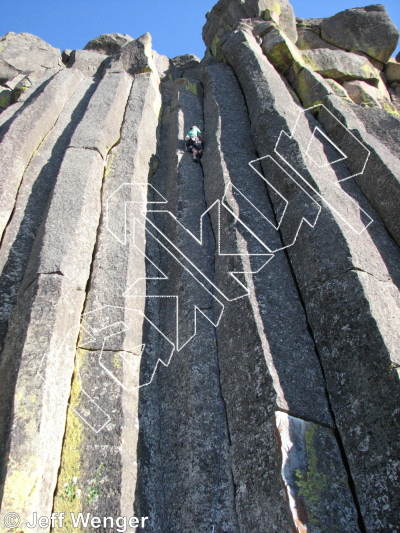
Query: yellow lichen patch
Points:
[277, 7]
[389, 108]
[370, 71]
[144, 70]
[68, 498]
[109, 164]
[117, 361]
[191, 86]
[20, 483]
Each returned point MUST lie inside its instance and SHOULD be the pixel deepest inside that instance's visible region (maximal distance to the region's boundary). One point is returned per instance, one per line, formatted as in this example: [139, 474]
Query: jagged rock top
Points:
[227, 13]
[23, 53]
[108, 43]
[362, 29]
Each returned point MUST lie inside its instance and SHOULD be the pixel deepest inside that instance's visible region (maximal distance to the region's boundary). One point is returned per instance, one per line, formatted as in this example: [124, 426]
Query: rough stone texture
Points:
[310, 40]
[392, 71]
[193, 434]
[48, 293]
[363, 29]
[311, 87]
[30, 93]
[380, 181]
[340, 65]
[226, 14]
[364, 93]
[108, 43]
[22, 53]
[115, 268]
[268, 314]
[65, 55]
[281, 52]
[185, 61]
[32, 432]
[107, 107]
[135, 57]
[57, 275]
[163, 64]
[224, 333]
[312, 24]
[89, 62]
[26, 133]
[34, 192]
[362, 265]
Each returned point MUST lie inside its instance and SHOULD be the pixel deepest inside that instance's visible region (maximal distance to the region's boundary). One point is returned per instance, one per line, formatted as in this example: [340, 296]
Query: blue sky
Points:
[175, 25]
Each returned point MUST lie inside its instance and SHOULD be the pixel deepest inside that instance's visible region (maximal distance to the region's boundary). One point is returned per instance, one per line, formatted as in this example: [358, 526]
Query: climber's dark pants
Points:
[196, 150]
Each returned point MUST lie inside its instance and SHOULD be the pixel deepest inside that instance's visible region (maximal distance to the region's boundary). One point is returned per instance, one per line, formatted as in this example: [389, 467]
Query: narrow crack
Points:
[86, 291]
[310, 331]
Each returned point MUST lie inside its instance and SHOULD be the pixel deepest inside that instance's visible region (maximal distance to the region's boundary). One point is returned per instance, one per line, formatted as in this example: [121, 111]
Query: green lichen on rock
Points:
[5, 99]
[18, 91]
[68, 496]
[191, 86]
[214, 45]
[144, 70]
[313, 483]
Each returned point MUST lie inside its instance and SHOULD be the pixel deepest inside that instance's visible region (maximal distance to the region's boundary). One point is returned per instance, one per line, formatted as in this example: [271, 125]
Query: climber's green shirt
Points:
[194, 132]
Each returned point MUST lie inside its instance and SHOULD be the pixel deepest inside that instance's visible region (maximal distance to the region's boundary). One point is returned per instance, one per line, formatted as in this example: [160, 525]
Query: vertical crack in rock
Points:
[38, 359]
[225, 333]
[369, 326]
[32, 198]
[27, 132]
[193, 451]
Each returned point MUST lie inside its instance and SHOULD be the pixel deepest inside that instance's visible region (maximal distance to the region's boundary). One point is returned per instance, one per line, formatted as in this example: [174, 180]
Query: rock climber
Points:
[194, 143]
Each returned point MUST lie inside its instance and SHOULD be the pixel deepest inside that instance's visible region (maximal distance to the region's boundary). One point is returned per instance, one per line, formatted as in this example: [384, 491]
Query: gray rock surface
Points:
[88, 62]
[65, 55]
[57, 275]
[281, 52]
[392, 71]
[186, 61]
[127, 163]
[362, 29]
[30, 93]
[212, 346]
[107, 107]
[310, 86]
[22, 53]
[226, 14]
[162, 63]
[362, 269]
[135, 57]
[310, 40]
[26, 133]
[259, 504]
[381, 190]
[108, 43]
[33, 195]
[315, 483]
[340, 65]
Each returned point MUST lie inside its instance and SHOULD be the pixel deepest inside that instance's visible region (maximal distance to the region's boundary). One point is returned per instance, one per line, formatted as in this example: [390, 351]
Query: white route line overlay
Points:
[337, 184]
[142, 200]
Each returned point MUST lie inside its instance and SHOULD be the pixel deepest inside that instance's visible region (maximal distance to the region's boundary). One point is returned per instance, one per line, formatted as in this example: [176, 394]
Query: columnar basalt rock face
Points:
[213, 345]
